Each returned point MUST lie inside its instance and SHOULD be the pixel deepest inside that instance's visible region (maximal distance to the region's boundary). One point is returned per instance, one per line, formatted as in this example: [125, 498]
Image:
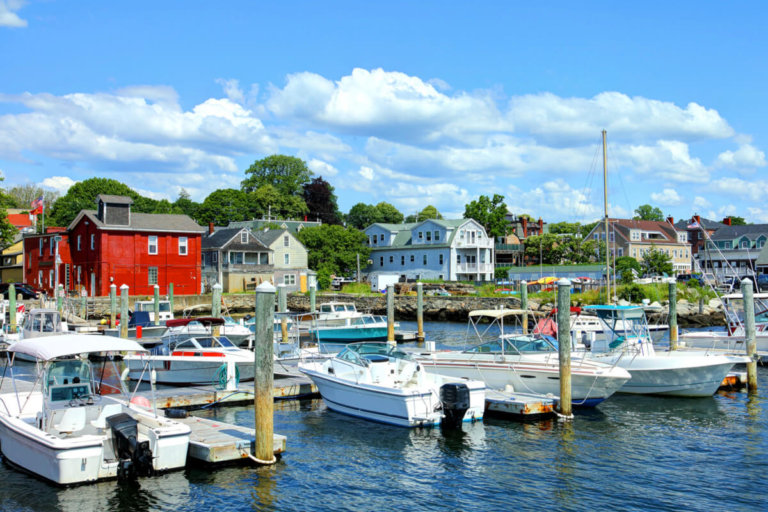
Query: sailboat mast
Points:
[605, 203]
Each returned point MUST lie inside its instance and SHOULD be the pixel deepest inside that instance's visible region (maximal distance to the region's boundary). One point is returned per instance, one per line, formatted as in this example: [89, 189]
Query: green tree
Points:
[387, 213]
[578, 250]
[429, 212]
[333, 249]
[738, 221]
[321, 201]
[625, 263]
[287, 174]
[223, 206]
[82, 196]
[565, 228]
[648, 212]
[184, 204]
[491, 213]
[23, 195]
[656, 262]
[7, 230]
[547, 249]
[268, 201]
[362, 215]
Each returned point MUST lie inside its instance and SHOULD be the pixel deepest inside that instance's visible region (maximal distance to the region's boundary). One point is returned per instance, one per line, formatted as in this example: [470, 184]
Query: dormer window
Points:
[437, 236]
[243, 237]
[286, 241]
[429, 236]
[421, 235]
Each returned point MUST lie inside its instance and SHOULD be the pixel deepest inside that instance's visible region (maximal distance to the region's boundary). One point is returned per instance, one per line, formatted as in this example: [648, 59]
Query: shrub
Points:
[632, 293]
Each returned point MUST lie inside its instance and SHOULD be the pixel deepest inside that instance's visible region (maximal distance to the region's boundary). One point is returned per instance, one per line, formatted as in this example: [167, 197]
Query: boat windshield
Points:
[354, 352]
[516, 344]
[68, 372]
[205, 342]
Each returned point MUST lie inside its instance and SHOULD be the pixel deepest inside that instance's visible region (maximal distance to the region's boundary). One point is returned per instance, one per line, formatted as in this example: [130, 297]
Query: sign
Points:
[57, 238]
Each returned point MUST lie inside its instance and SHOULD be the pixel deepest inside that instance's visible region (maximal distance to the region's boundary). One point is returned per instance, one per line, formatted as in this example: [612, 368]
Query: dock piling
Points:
[312, 298]
[12, 307]
[564, 345]
[419, 312]
[216, 307]
[749, 333]
[157, 304]
[672, 314]
[263, 377]
[124, 311]
[170, 295]
[282, 306]
[60, 299]
[112, 305]
[524, 304]
[390, 313]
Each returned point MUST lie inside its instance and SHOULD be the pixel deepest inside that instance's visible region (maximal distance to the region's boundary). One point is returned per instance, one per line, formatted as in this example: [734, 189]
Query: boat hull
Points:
[350, 334]
[722, 341]
[400, 407]
[183, 370]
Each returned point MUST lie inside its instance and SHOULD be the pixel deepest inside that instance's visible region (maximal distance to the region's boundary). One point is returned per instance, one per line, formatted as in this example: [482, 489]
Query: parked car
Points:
[759, 283]
[688, 278]
[27, 291]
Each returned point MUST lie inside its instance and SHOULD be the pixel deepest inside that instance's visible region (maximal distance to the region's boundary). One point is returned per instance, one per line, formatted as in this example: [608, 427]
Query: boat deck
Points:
[519, 405]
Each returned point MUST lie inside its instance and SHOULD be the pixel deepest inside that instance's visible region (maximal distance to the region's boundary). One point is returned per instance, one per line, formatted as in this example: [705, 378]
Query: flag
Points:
[36, 211]
[37, 206]
[694, 225]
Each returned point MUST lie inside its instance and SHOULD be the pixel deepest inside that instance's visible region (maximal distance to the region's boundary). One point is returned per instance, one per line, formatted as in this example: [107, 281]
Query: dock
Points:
[519, 405]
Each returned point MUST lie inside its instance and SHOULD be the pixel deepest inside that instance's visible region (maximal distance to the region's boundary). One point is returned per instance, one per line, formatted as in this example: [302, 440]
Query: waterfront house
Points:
[289, 257]
[235, 258]
[12, 256]
[629, 237]
[698, 230]
[256, 225]
[112, 244]
[453, 250]
[510, 249]
[735, 251]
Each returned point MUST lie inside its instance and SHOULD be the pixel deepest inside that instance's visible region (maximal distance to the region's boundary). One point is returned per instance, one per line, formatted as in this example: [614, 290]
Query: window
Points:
[621, 252]
[458, 258]
[152, 244]
[425, 259]
[286, 241]
[40, 246]
[214, 257]
[440, 259]
[50, 245]
[93, 242]
[437, 236]
[182, 246]
[596, 236]
[612, 237]
[243, 237]
[78, 242]
[235, 258]
[429, 236]
[40, 278]
[152, 276]
[391, 259]
[744, 244]
[289, 279]
[413, 258]
[50, 278]
[381, 238]
[381, 261]
[421, 235]
[79, 268]
[461, 234]
[402, 260]
[287, 259]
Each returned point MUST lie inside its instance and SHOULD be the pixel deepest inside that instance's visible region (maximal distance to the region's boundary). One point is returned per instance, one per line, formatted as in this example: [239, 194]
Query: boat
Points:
[237, 332]
[527, 363]
[656, 372]
[193, 356]
[39, 323]
[733, 339]
[71, 428]
[163, 306]
[587, 327]
[378, 382]
[340, 322]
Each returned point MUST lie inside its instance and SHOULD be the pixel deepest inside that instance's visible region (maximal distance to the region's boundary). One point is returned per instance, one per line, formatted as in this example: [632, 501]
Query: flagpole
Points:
[43, 216]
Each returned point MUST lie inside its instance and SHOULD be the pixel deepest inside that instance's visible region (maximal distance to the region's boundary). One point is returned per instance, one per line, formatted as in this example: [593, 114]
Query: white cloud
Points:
[8, 16]
[667, 159]
[752, 190]
[701, 203]
[556, 119]
[747, 157]
[59, 184]
[758, 215]
[322, 168]
[449, 199]
[232, 89]
[667, 197]
[366, 173]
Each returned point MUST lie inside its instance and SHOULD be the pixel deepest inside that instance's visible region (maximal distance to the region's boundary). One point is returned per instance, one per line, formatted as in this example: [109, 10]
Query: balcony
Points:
[474, 268]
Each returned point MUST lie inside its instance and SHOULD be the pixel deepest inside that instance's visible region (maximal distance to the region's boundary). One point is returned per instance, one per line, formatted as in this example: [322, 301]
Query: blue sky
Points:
[412, 103]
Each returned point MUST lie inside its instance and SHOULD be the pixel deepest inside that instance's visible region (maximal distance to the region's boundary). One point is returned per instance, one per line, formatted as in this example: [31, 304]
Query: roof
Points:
[52, 347]
[222, 237]
[145, 222]
[269, 236]
[403, 233]
[294, 226]
[751, 231]
[20, 220]
[704, 223]
[114, 199]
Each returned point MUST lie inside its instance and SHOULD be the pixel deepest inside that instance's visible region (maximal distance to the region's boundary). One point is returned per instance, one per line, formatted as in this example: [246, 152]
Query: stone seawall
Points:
[453, 309]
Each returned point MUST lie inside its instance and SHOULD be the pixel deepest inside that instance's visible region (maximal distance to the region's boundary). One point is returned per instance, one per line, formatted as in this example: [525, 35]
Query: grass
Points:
[357, 289]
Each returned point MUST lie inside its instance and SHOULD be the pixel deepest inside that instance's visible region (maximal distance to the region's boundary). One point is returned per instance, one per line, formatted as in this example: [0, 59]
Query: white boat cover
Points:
[51, 347]
[501, 313]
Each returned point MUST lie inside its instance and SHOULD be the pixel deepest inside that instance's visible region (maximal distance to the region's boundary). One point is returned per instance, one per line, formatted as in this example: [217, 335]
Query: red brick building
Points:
[114, 245]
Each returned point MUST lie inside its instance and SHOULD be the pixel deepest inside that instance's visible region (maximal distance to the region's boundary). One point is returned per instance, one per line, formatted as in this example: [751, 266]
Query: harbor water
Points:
[630, 453]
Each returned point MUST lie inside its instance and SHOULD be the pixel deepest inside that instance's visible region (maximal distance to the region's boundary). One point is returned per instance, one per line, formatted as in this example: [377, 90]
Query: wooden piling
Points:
[312, 298]
[263, 378]
[216, 307]
[60, 299]
[170, 295]
[524, 304]
[749, 333]
[124, 311]
[157, 304]
[391, 313]
[12, 307]
[564, 345]
[672, 314]
[112, 305]
[282, 306]
[419, 312]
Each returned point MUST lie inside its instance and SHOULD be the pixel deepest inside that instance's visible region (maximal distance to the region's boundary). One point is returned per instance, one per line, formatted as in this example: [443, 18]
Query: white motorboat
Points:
[39, 323]
[527, 363]
[378, 382]
[677, 373]
[585, 327]
[178, 328]
[192, 358]
[340, 322]
[70, 429]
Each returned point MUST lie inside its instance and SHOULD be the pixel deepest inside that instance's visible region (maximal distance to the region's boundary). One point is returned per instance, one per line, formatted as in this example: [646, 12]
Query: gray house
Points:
[453, 250]
[289, 258]
[235, 258]
[736, 251]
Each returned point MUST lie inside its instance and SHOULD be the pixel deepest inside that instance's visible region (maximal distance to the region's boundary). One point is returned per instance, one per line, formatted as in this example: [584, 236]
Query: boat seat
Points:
[72, 420]
[107, 411]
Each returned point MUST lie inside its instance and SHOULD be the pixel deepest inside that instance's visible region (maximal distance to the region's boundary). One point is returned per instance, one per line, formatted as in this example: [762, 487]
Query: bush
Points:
[501, 273]
[632, 293]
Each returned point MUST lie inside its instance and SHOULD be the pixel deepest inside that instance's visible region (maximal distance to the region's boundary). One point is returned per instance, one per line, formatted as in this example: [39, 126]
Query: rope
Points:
[219, 380]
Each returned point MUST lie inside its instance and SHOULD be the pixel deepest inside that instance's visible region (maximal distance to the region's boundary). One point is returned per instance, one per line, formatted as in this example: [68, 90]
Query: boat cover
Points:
[52, 347]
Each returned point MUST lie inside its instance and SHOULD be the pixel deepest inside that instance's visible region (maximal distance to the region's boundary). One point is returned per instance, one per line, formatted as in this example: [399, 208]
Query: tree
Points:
[388, 214]
[491, 213]
[23, 195]
[648, 212]
[321, 201]
[627, 263]
[362, 215]
[429, 212]
[287, 174]
[223, 206]
[738, 221]
[656, 262]
[7, 230]
[565, 228]
[267, 201]
[186, 205]
[333, 249]
[546, 248]
[579, 250]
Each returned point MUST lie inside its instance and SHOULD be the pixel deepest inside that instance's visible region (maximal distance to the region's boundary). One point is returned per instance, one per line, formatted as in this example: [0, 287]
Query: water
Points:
[631, 453]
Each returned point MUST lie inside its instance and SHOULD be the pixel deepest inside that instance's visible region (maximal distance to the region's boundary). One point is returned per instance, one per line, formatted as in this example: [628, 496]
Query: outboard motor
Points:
[135, 457]
[455, 399]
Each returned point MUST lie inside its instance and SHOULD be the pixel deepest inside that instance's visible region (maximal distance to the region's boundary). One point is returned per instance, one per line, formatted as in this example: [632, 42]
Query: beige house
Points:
[628, 237]
[289, 258]
[12, 268]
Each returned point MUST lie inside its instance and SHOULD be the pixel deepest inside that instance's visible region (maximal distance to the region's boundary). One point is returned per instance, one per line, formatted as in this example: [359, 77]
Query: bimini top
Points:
[52, 347]
[205, 320]
[501, 313]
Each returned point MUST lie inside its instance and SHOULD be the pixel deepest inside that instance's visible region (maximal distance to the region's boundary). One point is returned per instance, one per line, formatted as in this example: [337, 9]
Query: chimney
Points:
[697, 219]
[541, 226]
[727, 221]
[210, 228]
[671, 220]
[524, 222]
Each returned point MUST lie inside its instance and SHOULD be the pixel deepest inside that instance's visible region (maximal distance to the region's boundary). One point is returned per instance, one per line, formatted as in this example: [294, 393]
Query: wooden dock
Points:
[519, 405]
